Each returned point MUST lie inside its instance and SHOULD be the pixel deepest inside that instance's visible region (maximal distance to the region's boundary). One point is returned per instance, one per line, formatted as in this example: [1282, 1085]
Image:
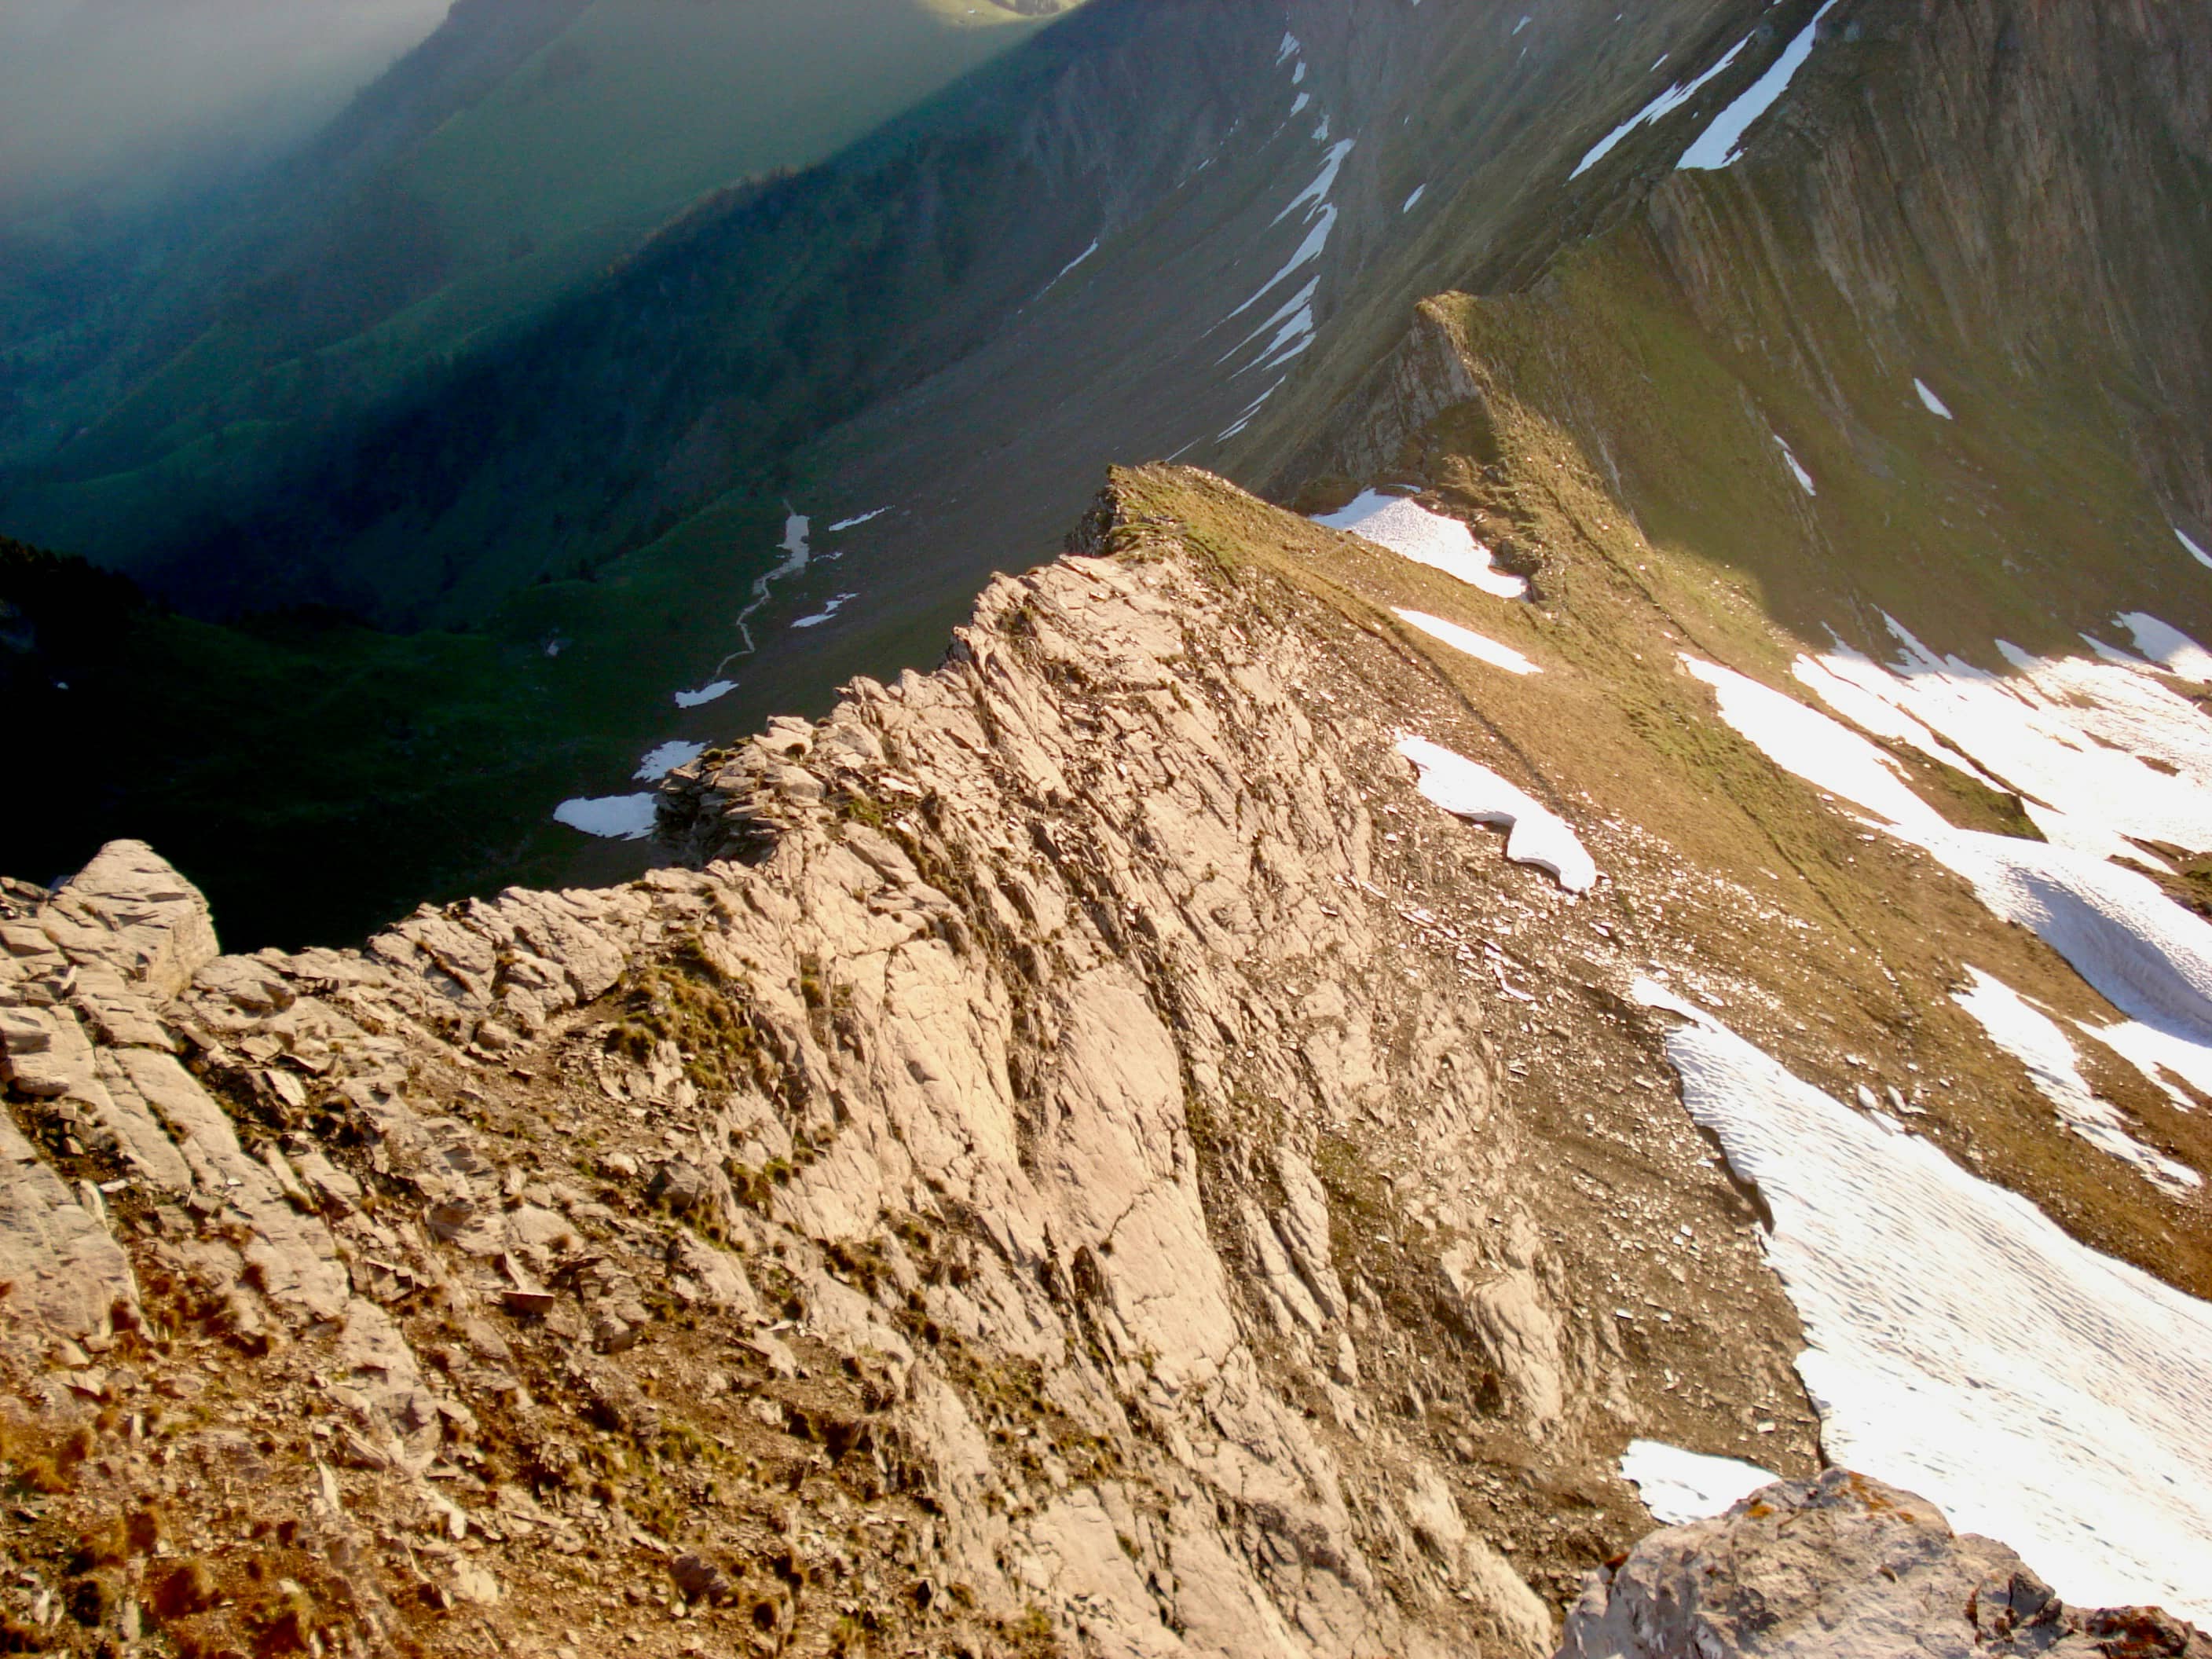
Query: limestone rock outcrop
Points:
[1846, 1567]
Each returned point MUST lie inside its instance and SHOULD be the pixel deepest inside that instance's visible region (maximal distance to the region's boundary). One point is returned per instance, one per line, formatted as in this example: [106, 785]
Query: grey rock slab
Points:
[129, 910]
[64, 1274]
[1845, 1568]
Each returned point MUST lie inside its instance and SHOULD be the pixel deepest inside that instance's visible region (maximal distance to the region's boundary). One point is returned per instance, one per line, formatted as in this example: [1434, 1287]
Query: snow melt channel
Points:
[1962, 1346]
[1411, 530]
[1536, 836]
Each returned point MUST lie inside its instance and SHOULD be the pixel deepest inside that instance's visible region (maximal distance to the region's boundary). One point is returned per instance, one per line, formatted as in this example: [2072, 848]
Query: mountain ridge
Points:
[1025, 1194]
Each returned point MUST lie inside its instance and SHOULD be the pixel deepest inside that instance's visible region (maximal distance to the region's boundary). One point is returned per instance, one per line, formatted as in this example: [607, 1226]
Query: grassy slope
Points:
[1620, 446]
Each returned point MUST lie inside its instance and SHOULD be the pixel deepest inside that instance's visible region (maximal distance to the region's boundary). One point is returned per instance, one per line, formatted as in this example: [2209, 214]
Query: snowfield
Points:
[1963, 1347]
[2104, 754]
[2144, 954]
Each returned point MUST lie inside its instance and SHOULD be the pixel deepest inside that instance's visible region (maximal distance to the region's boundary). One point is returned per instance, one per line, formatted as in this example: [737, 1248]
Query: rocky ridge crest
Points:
[1047, 1181]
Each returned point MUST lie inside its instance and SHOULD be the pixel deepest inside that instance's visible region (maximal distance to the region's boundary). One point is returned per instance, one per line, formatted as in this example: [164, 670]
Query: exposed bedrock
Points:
[1847, 1568]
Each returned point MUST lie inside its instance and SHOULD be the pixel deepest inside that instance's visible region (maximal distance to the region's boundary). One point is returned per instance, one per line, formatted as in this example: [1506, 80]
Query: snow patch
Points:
[2195, 551]
[870, 518]
[2073, 1432]
[1537, 836]
[659, 762]
[1414, 200]
[1933, 404]
[713, 692]
[1410, 530]
[1466, 640]
[1720, 143]
[610, 817]
[1679, 1486]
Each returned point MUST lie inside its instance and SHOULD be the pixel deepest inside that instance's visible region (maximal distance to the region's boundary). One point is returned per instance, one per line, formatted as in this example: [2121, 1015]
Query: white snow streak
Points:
[826, 612]
[1721, 144]
[1933, 405]
[870, 518]
[1962, 1346]
[1660, 107]
[1537, 836]
[1796, 469]
[1473, 644]
[1064, 270]
[1311, 249]
[2195, 551]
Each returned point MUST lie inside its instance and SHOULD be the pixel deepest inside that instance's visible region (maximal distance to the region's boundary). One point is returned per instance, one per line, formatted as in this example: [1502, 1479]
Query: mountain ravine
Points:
[1091, 1159]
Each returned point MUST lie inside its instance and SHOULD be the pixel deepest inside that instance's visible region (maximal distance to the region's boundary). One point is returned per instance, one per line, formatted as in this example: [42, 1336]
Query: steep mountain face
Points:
[1223, 148]
[1100, 1156]
[1956, 280]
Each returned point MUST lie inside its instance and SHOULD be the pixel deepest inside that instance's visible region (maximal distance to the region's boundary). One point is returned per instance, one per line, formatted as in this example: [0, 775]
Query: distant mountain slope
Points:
[1234, 155]
[525, 148]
